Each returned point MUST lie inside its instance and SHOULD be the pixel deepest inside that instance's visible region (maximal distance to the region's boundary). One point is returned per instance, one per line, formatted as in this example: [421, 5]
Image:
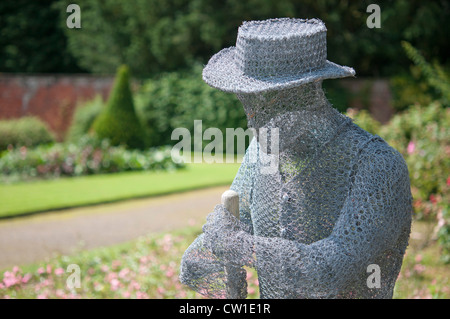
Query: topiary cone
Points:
[118, 121]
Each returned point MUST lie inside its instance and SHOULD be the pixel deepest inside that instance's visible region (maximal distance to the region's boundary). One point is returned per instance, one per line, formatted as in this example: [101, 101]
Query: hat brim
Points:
[221, 73]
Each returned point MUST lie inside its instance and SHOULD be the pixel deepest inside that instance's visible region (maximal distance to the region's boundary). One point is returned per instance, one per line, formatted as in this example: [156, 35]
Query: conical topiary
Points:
[118, 121]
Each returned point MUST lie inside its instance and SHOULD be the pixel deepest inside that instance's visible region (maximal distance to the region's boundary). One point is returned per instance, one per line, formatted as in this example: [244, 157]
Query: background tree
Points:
[32, 40]
[152, 36]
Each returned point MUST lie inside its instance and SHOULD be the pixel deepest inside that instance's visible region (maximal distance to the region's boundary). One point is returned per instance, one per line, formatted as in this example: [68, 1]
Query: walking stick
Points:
[235, 275]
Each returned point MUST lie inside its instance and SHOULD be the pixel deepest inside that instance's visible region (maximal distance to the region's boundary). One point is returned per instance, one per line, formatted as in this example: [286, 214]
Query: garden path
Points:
[38, 237]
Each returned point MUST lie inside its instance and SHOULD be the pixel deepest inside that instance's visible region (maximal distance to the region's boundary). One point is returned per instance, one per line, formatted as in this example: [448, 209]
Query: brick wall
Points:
[53, 98]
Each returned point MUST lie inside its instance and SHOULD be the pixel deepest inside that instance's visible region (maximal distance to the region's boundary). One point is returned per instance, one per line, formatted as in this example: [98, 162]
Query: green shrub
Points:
[422, 135]
[118, 121]
[177, 99]
[26, 131]
[83, 119]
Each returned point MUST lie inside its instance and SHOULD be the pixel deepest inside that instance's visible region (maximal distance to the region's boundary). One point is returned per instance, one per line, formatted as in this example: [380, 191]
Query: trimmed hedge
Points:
[118, 121]
[26, 131]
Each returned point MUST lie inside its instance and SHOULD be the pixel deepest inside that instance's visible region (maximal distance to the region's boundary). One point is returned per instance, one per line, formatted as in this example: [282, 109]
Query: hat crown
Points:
[281, 48]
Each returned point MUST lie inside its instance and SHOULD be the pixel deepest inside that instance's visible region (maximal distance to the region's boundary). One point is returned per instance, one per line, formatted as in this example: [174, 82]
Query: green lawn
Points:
[37, 196]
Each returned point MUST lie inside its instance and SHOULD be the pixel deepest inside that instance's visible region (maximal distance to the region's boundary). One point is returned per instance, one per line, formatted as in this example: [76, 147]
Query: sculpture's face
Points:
[288, 113]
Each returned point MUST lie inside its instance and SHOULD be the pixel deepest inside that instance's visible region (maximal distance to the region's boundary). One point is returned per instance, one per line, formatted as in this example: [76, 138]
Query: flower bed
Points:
[88, 156]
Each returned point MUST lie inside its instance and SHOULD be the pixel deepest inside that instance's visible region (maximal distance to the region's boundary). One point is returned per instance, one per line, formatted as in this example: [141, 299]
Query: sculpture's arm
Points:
[374, 214]
[203, 271]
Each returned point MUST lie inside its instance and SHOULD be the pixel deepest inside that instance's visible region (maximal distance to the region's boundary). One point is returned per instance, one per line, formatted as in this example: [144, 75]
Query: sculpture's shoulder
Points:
[383, 157]
[382, 175]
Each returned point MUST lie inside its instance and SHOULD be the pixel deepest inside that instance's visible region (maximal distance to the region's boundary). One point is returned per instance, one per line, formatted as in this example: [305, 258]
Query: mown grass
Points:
[149, 268]
[43, 195]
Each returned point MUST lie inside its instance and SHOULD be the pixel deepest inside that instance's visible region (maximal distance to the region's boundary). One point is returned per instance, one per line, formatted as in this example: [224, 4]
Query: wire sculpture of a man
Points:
[339, 202]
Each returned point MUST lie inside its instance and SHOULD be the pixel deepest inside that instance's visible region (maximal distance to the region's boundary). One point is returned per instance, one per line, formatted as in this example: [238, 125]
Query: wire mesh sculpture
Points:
[340, 199]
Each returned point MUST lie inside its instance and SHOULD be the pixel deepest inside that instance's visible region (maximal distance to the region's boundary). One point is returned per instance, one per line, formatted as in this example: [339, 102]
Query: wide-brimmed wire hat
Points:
[274, 54]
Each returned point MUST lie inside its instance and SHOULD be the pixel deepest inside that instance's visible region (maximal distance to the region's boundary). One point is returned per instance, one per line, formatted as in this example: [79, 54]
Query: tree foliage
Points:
[152, 36]
[32, 40]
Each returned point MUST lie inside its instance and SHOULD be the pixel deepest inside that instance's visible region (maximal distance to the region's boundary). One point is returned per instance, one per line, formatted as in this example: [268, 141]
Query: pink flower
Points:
[411, 147]
[16, 269]
[104, 268]
[9, 281]
[42, 296]
[433, 199]
[114, 284]
[141, 295]
[23, 151]
[170, 273]
[46, 283]
[40, 271]
[59, 271]
[126, 294]
[49, 269]
[110, 277]
[419, 268]
[124, 272]
[116, 263]
[134, 285]
[160, 290]
[143, 270]
[182, 294]
[26, 278]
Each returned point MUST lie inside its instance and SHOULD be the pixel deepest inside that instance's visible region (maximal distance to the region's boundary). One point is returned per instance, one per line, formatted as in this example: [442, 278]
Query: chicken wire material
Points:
[273, 54]
[338, 202]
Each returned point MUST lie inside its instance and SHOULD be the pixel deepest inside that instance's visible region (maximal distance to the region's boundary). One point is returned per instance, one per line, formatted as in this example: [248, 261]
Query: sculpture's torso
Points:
[302, 203]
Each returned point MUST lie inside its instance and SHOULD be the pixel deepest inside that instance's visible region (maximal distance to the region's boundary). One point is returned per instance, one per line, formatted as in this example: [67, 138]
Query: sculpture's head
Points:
[276, 68]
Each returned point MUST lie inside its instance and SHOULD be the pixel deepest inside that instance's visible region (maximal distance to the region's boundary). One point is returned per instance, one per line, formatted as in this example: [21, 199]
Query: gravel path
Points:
[38, 237]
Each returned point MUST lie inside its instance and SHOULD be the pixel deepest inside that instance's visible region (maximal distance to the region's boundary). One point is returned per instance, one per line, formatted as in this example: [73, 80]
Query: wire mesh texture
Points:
[338, 201]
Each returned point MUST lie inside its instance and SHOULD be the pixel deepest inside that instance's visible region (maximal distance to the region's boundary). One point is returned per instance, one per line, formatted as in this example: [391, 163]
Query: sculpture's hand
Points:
[220, 229]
